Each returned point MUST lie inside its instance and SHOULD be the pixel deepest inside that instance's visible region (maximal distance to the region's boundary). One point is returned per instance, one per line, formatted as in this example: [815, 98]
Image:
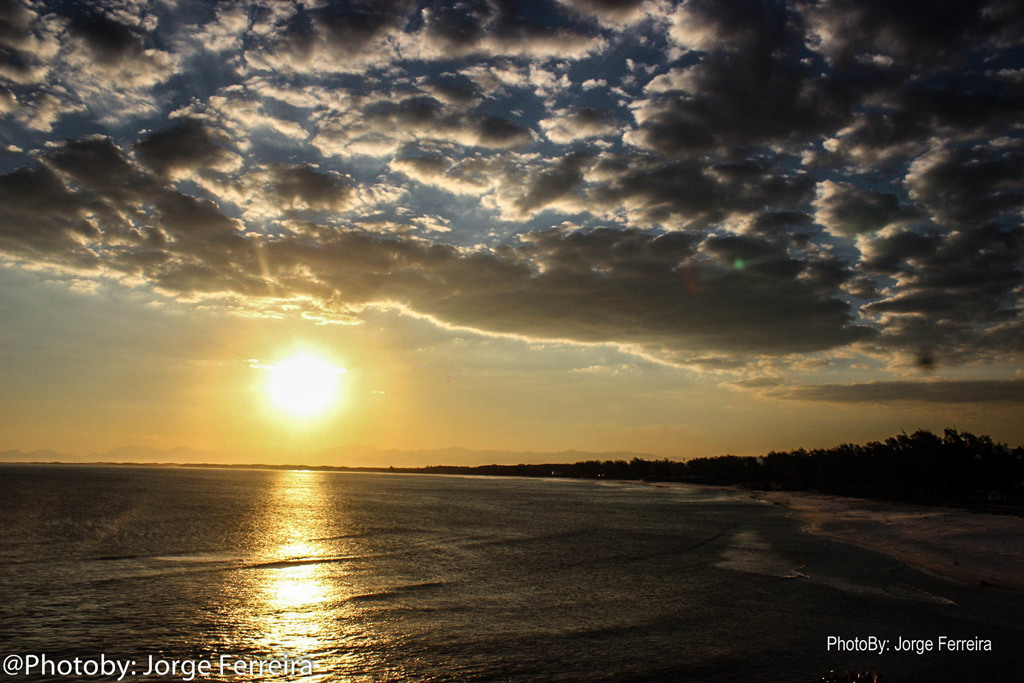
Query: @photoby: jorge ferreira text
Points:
[900, 644]
[112, 668]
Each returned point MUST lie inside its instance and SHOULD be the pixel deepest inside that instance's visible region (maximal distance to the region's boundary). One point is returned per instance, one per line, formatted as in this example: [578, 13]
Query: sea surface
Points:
[376, 577]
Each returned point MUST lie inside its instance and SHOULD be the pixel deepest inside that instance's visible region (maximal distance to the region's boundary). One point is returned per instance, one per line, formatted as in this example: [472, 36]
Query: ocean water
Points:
[375, 577]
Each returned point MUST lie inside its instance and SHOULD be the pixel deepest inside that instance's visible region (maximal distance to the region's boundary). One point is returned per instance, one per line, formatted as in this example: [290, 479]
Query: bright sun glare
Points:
[304, 385]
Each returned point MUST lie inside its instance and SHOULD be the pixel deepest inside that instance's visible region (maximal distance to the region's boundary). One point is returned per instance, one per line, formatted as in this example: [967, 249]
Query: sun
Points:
[304, 385]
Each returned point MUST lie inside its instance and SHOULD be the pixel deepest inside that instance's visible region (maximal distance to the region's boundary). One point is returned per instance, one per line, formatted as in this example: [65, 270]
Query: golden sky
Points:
[662, 227]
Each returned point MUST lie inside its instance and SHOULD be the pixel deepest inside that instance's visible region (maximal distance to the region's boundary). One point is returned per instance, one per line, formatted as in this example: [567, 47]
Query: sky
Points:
[677, 228]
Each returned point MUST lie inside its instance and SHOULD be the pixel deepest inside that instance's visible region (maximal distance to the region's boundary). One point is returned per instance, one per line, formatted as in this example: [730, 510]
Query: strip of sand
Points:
[973, 547]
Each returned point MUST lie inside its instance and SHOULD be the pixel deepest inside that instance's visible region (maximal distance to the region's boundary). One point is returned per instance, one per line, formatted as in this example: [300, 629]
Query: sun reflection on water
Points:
[297, 596]
[293, 618]
[296, 587]
[289, 590]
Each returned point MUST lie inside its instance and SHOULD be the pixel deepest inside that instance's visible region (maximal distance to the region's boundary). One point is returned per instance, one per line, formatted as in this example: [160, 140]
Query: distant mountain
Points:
[125, 454]
[40, 456]
[180, 455]
[344, 456]
[367, 456]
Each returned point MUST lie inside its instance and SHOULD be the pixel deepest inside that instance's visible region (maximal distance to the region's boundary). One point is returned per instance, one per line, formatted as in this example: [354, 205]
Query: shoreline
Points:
[970, 547]
[974, 548]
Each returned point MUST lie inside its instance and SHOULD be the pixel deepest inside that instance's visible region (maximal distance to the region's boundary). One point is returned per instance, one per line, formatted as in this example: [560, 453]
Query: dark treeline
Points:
[956, 468]
[922, 467]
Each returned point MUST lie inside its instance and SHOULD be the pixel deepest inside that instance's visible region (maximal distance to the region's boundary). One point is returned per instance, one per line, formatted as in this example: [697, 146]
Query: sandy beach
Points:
[973, 547]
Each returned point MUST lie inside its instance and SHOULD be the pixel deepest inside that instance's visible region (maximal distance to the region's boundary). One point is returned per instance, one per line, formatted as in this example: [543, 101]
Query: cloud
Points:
[380, 127]
[846, 30]
[732, 178]
[847, 210]
[958, 283]
[329, 37]
[225, 34]
[764, 382]
[602, 286]
[185, 147]
[752, 83]
[240, 114]
[692, 194]
[110, 43]
[28, 42]
[943, 391]
[566, 125]
[277, 191]
[958, 294]
[28, 195]
[304, 187]
[499, 28]
[425, 168]
[614, 13]
[8, 102]
[968, 185]
[704, 26]
[110, 60]
[550, 185]
[732, 100]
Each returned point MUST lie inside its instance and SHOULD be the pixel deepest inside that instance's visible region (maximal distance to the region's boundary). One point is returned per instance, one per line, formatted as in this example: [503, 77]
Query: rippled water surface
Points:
[376, 577]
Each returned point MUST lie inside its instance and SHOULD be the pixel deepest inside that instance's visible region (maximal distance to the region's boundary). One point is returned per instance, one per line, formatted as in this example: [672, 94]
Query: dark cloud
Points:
[17, 61]
[972, 274]
[382, 126]
[754, 255]
[756, 383]
[965, 104]
[788, 224]
[630, 287]
[969, 185]
[958, 294]
[416, 112]
[501, 27]
[880, 137]
[565, 177]
[14, 20]
[737, 101]
[754, 83]
[340, 28]
[109, 41]
[694, 193]
[783, 176]
[349, 24]
[580, 123]
[304, 187]
[185, 146]
[40, 217]
[910, 116]
[846, 209]
[457, 90]
[610, 8]
[7, 100]
[946, 391]
[896, 252]
[497, 132]
[98, 165]
[36, 190]
[88, 204]
[668, 293]
[459, 27]
[914, 35]
[958, 289]
[428, 166]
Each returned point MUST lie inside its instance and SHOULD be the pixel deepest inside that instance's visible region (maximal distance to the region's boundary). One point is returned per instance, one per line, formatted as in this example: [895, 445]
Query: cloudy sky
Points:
[683, 228]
